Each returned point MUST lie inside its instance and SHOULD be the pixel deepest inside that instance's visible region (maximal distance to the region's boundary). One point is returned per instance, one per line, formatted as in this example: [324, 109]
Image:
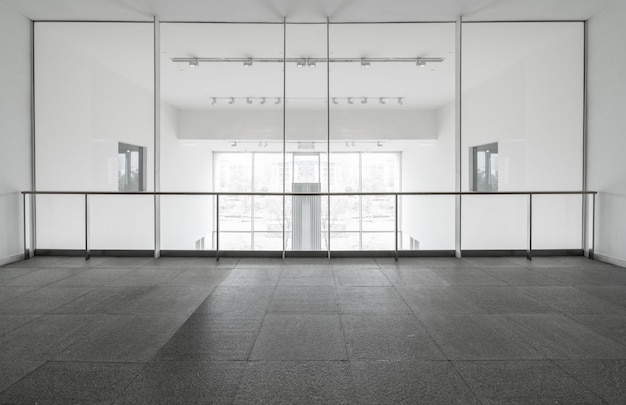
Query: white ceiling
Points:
[309, 10]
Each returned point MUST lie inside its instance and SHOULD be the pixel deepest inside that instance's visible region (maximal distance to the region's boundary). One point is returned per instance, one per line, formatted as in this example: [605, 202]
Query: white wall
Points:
[607, 130]
[524, 89]
[310, 124]
[15, 158]
[90, 97]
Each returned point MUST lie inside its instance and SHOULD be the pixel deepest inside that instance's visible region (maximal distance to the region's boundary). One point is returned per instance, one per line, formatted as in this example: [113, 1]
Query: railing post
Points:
[26, 249]
[529, 248]
[396, 233]
[593, 227]
[87, 251]
[217, 227]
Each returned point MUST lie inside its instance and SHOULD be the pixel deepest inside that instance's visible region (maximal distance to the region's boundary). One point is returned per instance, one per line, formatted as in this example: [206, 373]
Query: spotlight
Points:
[300, 63]
[247, 63]
[335, 101]
[379, 143]
[262, 101]
[277, 101]
[233, 144]
[382, 100]
[248, 100]
[194, 63]
[400, 101]
[421, 63]
[213, 101]
[231, 100]
[365, 63]
[364, 101]
[310, 63]
[350, 100]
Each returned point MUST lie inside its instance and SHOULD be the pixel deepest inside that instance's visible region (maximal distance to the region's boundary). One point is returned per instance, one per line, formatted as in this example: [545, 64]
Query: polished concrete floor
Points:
[431, 330]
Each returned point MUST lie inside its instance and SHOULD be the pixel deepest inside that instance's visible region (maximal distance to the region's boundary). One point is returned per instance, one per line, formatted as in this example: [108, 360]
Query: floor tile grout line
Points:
[555, 362]
[44, 362]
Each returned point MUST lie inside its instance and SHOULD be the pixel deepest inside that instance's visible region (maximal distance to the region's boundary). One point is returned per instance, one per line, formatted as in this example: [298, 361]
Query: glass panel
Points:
[428, 223]
[94, 84]
[495, 222]
[60, 222]
[557, 221]
[187, 222]
[379, 241]
[392, 105]
[121, 222]
[522, 90]
[306, 124]
[222, 123]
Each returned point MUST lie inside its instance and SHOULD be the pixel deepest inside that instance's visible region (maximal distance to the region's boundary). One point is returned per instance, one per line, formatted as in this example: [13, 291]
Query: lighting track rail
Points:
[308, 62]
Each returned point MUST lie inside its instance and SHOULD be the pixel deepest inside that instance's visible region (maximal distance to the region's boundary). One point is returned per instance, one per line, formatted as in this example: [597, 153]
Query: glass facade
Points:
[347, 109]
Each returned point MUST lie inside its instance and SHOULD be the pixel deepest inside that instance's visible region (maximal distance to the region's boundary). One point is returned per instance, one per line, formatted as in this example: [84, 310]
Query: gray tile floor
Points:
[430, 330]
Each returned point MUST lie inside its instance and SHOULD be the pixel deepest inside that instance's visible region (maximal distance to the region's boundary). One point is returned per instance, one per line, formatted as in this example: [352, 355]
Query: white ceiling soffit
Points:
[309, 10]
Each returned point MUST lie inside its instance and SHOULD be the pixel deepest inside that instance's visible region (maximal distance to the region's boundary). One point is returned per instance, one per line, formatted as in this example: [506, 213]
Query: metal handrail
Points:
[394, 194]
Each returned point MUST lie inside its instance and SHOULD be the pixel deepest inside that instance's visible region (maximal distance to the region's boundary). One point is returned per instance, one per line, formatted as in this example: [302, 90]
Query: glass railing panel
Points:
[557, 221]
[427, 222]
[187, 222]
[494, 222]
[60, 221]
[121, 222]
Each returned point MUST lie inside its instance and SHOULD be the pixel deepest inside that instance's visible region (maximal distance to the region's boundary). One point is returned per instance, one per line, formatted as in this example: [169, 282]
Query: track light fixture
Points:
[277, 101]
[400, 101]
[231, 100]
[364, 101]
[213, 101]
[350, 100]
[262, 101]
[382, 100]
[335, 100]
[248, 100]
[311, 62]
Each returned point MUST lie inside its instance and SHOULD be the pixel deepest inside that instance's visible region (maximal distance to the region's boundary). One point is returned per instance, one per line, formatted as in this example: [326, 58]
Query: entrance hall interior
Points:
[312, 201]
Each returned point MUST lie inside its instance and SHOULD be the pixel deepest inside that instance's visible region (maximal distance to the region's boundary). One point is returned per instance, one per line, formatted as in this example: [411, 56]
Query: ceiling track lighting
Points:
[278, 100]
[311, 62]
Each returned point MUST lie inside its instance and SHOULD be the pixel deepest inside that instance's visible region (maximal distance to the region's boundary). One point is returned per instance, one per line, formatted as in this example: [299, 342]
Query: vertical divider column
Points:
[87, 250]
[157, 138]
[457, 136]
[284, 127]
[328, 123]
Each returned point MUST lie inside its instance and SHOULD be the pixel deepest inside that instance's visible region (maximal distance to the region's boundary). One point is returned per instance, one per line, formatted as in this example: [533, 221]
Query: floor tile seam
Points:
[21, 326]
[571, 317]
[43, 363]
[475, 394]
[343, 329]
[622, 310]
[258, 331]
[419, 321]
[555, 362]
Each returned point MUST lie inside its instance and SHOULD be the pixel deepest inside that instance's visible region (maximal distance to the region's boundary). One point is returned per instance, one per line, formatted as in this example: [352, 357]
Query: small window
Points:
[484, 167]
[131, 167]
